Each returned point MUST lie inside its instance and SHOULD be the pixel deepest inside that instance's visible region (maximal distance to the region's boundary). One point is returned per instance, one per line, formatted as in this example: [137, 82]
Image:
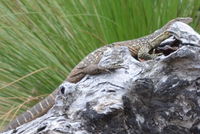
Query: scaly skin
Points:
[89, 65]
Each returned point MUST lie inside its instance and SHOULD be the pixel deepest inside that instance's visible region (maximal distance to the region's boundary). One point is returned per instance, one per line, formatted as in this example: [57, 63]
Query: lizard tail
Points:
[36, 111]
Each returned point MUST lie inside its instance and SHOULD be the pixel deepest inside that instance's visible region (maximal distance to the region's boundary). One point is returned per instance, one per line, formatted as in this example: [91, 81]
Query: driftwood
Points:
[154, 97]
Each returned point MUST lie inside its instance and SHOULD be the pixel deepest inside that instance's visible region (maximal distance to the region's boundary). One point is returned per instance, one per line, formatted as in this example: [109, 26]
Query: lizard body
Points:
[89, 65]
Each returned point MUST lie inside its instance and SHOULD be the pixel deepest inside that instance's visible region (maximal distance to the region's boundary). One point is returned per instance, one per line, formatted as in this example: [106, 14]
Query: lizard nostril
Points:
[62, 89]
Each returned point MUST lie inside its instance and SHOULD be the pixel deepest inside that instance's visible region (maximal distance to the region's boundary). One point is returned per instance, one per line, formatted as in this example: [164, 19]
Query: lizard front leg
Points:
[143, 54]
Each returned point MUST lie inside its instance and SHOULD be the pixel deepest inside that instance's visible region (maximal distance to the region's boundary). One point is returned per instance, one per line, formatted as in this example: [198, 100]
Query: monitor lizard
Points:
[89, 65]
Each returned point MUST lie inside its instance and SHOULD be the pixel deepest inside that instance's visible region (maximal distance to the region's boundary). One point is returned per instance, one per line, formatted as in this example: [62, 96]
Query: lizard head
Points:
[186, 20]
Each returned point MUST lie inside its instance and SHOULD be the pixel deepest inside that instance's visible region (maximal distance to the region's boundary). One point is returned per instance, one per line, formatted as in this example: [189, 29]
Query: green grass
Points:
[42, 40]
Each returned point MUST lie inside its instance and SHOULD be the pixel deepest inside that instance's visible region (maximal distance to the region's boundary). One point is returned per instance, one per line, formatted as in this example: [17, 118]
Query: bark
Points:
[160, 96]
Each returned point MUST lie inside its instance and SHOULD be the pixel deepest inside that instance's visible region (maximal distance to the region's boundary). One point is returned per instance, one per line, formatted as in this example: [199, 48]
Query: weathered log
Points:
[154, 97]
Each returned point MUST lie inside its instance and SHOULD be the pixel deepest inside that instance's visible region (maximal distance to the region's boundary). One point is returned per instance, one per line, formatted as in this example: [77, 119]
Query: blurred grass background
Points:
[42, 40]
